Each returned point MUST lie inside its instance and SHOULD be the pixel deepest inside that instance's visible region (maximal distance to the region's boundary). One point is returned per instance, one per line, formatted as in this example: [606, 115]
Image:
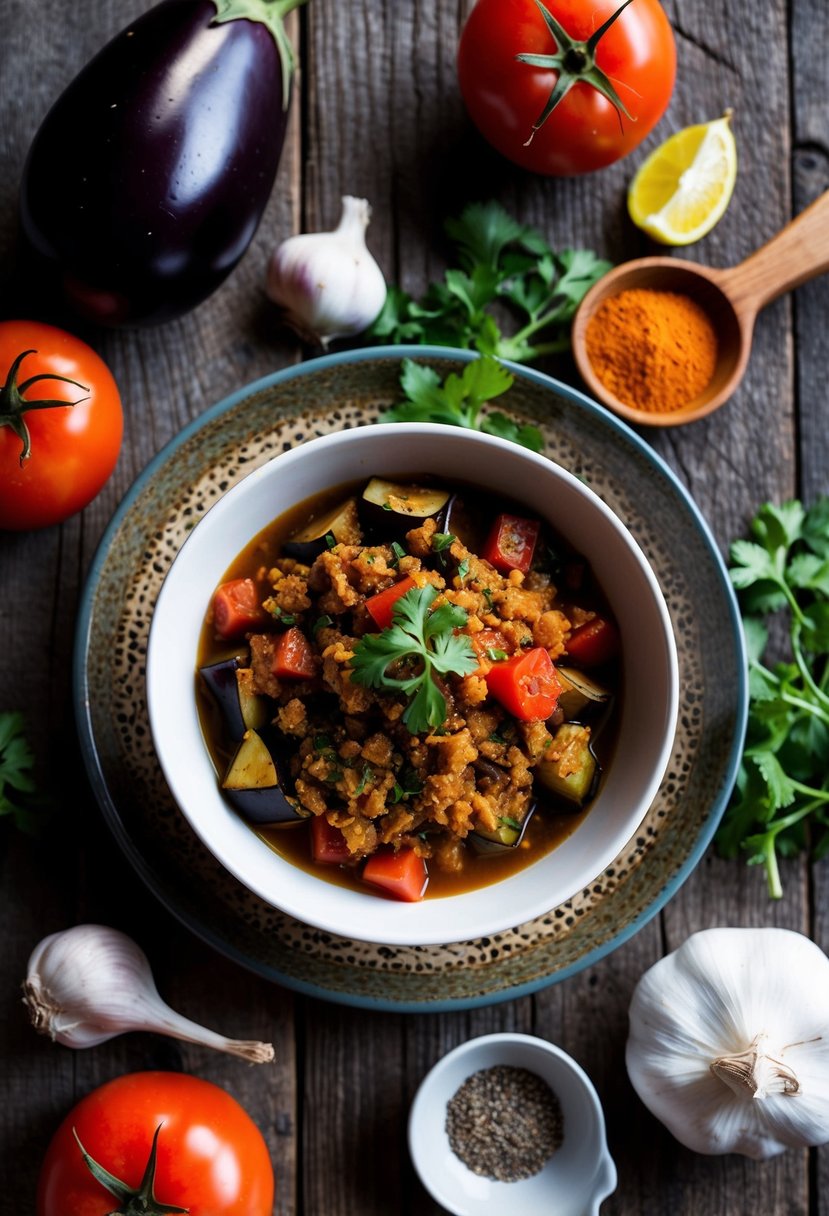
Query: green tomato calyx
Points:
[14, 406]
[134, 1201]
[575, 62]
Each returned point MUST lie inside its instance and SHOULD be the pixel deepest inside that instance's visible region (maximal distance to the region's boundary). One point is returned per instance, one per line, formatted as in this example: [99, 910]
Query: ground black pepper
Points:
[504, 1123]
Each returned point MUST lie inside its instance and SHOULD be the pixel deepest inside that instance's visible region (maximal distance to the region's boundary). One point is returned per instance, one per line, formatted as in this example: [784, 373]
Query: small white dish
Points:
[574, 1181]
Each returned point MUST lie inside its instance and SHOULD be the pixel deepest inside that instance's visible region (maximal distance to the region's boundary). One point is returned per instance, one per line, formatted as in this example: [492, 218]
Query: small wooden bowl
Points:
[732, 298]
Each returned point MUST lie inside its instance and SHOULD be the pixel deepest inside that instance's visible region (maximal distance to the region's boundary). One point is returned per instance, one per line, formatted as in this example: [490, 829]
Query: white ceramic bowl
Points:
[649, 701]
[574, 1181]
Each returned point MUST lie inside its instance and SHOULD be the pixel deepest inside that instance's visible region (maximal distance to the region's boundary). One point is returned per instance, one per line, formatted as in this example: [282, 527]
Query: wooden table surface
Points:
[377, 113]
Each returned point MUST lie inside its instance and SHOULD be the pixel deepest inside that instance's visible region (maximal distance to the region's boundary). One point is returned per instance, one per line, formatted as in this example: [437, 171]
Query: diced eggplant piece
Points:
[330, 528]
[230, 685]
[580, 693]
[254, 784]
[389, 509]
[578, 782]
[464, 523]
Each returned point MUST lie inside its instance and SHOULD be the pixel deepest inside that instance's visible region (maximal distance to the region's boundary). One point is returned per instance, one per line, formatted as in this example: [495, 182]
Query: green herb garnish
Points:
[322, 622]
[408, 785]
[442, 540]
[18, 792]
[463, 569]
[509, 823]
[419, 638]
[457, 400]
[501, 262]
[279, 614]
[368, 776]
[782, 786]
[496, 656]
[397, 551]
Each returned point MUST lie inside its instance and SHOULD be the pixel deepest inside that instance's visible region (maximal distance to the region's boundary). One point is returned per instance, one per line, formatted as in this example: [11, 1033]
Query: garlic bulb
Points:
[327, 283]
[90, 983]
[729, 1041]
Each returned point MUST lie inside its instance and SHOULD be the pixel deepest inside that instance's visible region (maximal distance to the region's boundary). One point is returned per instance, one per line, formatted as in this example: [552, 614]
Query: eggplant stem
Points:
[271, 14]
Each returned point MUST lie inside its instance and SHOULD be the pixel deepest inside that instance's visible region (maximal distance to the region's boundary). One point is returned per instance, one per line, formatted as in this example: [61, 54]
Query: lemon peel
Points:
[683, 188]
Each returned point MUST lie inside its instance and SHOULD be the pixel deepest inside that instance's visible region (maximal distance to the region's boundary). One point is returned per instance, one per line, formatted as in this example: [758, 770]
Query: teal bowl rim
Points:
[80, 688]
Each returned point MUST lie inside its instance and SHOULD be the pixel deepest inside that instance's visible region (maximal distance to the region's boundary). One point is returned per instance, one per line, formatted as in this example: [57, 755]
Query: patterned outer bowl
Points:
[272, 415]
[647, 713]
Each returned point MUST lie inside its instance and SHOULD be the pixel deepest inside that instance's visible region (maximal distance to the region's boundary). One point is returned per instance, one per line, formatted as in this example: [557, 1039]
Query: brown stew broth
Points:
[548, 827]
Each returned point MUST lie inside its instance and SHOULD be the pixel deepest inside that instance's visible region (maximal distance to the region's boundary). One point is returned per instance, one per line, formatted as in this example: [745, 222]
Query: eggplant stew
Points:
[409, 687]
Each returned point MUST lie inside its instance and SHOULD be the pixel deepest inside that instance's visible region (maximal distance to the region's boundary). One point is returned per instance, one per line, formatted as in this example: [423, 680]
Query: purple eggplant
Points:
[148, 177]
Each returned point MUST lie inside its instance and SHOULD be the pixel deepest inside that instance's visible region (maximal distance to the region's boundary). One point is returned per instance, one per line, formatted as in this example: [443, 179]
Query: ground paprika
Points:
[654, 350]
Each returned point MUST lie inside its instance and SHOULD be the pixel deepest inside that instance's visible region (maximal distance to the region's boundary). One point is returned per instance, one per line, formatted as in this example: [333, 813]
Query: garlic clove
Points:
[88, 984]
[327, 284]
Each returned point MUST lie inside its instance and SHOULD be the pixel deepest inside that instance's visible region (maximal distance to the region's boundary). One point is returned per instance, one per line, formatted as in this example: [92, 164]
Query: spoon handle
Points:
[798, 253]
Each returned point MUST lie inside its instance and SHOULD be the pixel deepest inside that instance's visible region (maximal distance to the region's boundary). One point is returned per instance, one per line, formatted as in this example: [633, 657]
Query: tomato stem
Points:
[133, 1200]
[14, 406]
[575, 63]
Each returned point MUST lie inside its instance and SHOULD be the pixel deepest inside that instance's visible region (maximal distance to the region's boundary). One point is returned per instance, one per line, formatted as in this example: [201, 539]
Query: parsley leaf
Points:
[457, 400]
[502, 266]
[422, 642]
[780, 803]
[18, 793]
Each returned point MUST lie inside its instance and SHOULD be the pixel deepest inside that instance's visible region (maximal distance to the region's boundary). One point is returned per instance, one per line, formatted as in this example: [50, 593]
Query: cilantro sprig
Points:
[457, 400]
[419, 642]
[504, 267]
[780, 805]
[19, 795]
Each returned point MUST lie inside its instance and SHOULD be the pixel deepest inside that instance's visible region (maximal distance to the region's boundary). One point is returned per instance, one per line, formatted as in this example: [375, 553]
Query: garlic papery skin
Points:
[328, 284]
[90, 983]
[729, 1041]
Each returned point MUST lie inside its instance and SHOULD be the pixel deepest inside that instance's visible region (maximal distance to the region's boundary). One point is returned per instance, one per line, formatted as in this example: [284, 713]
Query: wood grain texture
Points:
[376, 113]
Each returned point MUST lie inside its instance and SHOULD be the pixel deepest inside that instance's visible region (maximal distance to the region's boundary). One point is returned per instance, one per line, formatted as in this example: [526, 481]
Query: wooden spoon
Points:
[732, 298]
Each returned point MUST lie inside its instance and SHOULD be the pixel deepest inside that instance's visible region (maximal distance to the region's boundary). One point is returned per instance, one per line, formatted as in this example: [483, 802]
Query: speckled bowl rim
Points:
[109, 809]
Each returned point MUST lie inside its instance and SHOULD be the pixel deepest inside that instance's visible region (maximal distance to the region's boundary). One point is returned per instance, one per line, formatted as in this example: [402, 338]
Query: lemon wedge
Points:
[683, 188]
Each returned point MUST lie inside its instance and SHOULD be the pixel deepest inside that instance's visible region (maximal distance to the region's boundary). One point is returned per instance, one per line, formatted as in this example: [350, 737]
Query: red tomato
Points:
[526, 685]
[506, 98]
[293, 657]
[594, 643]
[211, 1157]
[381, 606]
[237, 607]
[74, 447]
[328, 845]
[401, 874]
[511, 543]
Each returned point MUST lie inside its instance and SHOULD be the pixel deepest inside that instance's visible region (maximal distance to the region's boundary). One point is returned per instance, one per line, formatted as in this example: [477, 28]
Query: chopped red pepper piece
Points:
[511, 543]
[526, 685]
[380, 605]
[593, 643]
[237, 608]
[328, 845]
[400, 873]
[293, 658]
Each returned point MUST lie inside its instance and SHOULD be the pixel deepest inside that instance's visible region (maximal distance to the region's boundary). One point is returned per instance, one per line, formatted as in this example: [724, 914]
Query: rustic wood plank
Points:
[166, 376]
[810, 47]
[383, 119]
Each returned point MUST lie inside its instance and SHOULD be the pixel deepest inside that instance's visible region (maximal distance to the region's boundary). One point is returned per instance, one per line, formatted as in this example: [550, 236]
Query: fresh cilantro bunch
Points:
[504, 268]
[422, 642]
[457, 400]
[18, 793]
[781, 799]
